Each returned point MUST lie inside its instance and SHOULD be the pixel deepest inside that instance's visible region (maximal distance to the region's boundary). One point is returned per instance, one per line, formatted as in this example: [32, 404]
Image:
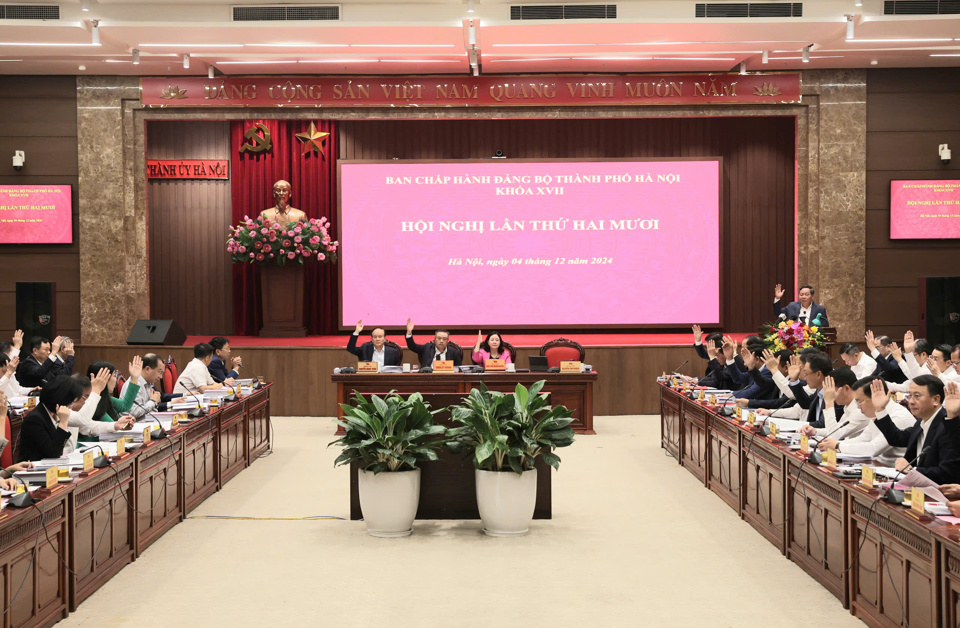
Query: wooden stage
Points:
[302, 386]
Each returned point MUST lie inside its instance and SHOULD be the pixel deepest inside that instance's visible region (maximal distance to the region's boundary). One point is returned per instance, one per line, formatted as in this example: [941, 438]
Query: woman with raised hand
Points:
[490, 348]
[110, 408]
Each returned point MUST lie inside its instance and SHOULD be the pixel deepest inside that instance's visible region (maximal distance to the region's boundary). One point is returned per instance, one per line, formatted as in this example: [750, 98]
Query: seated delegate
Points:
[195, 378]
[44, 430]
[490, 348]
[376, 350]
[439, 349]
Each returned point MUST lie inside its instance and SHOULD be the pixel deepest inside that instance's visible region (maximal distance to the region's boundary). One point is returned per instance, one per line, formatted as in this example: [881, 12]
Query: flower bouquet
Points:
[794, 336]
[253, 241]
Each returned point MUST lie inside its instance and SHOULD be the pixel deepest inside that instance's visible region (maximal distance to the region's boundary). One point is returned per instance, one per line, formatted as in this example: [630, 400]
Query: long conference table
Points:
[573, 390]
[106, 518]
[872, 555]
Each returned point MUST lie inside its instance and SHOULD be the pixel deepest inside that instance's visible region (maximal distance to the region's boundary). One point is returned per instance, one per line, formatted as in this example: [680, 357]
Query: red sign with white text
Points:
[472, 91]
[188, 169]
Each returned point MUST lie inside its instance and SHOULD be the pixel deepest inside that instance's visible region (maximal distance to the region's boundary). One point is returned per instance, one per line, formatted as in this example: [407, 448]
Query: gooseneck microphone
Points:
[157, 433]
[894, 496]
[256, 378]
[815, 456]
[676, 371]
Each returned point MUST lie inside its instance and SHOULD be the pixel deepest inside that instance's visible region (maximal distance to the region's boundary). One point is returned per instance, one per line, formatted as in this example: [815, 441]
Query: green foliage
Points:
[390, 434]
[509, 431]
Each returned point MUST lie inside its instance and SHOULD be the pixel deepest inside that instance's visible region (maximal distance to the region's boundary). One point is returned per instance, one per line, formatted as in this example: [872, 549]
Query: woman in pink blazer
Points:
[491, 348]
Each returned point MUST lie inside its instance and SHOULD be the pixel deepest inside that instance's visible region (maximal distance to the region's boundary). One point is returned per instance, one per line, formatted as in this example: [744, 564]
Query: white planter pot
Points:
[506, 501]
[389, 501]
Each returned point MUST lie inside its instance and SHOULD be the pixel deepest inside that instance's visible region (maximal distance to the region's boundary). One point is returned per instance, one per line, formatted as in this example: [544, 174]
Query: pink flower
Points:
[298, 239]
[286, 243]
[243, 249]
[314, 240]
[290, 233]
[266, 248]
[272, 237]
[321, 256]
[246, 218]
[252, 256]
[291, 255]
[326, 239]
[276, 225]
[331, 247]
[314, 229]
[297, 229]
[282, 252]
[271, 256]
[306, 252]
[260, 257]
[258, 244]
[263, 231]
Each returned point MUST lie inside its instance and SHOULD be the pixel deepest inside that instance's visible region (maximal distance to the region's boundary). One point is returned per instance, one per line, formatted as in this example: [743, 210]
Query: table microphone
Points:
[815, 457]
[676, 370]
[102, 461]
[763, 429]
[894, 496]
[232, 396]
[256, 378]
[198, 411]
[157, 433]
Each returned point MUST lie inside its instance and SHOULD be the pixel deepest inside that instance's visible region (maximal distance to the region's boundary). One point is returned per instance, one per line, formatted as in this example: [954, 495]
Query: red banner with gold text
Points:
[474, 91]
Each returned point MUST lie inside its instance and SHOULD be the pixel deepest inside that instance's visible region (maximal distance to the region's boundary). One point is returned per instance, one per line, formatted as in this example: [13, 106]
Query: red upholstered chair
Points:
[120, 381]
[561, 349]
[457, 347]
[513, 352]
[390, 343]
[170, 375]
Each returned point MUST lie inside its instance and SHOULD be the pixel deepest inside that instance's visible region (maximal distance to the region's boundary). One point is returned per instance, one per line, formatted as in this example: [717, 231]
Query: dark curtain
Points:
[313, 178]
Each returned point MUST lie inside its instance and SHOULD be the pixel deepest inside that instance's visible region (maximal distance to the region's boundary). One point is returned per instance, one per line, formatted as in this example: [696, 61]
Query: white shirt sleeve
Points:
[856, 422]
[783, 384]
[875, 354]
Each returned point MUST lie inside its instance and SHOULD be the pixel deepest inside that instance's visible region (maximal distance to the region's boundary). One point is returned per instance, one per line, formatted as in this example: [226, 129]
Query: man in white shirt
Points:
[838, 389]
[148, 397]
[195, 378]
[8, 378]
[871, 442]
[862, 364]
[12, 349]
[913, 361]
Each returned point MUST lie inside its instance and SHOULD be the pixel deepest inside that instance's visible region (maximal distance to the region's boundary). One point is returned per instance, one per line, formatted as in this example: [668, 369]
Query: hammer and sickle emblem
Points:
[259, 137]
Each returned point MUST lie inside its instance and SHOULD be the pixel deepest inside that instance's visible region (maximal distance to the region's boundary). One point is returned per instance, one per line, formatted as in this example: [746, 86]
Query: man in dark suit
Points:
[439, 349]
[222, 357]
[45, 362]
[881, 349]
[804, 309]
[376, 350]
[928, 444]
[44, 430]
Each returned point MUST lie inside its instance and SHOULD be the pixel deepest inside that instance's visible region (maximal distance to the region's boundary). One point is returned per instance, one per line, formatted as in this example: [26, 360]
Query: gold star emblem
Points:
[312, 140]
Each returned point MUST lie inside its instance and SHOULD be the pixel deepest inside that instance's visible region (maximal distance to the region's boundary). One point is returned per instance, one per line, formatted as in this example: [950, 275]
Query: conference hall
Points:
[462, 313]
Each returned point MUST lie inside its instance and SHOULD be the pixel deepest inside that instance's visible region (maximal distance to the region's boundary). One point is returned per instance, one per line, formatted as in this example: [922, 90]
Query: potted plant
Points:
[506, 433]
[388, 437]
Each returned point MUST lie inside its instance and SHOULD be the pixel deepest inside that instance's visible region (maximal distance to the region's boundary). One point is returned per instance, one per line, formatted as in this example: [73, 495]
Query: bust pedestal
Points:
[281, 300]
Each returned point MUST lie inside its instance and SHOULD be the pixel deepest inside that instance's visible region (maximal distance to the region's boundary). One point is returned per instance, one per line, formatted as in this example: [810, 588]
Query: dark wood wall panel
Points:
[909, 113]
[759, 169]
[187, 223]
[38, 115]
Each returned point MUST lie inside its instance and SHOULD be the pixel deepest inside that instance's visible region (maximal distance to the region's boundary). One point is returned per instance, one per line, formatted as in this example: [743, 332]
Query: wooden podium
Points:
[281, 300]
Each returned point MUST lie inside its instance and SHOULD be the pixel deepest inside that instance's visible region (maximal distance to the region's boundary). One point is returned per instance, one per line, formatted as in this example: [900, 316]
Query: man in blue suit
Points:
[804, 309]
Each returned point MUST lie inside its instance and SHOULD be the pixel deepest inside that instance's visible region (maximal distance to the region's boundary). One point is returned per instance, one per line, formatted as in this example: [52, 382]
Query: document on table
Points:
[787, 425]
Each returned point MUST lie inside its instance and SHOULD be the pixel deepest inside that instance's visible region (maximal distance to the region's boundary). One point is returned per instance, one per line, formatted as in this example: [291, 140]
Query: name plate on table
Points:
[443, 366]
[867, 479]
[774, 430]
[88, 460]
[738, 412]
[368, 367]
[805, 444]
[174, 420]
[570, 366]
[751, 419]
[146, 435]
[121, 446]
[830, 457]
[916, 501]
[53, 476]
[495, 364]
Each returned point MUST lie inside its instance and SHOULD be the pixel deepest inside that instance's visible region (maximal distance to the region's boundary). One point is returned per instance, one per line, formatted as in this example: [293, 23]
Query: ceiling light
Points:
[95, 33]
[476, 71]
[267, 62]
[470, 6]
[186, 62]
[296, 45]
[766, 56]
[874, 62]
[420, 61]
[82, 68]
[858, 3]
[33, 43]
[136, 56]
[690, 43]
[339, 60]
[743, 67]
[807, 60]
[209, 71]
[402, 46]
[946, 55]
[472, 35]
[187, 45]
[540, 45]
[850, 27]
[540, 59]
[617, 58]
[895, 41]
[84, 5]
[806, 55]
[694, 58]
[10, 60]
